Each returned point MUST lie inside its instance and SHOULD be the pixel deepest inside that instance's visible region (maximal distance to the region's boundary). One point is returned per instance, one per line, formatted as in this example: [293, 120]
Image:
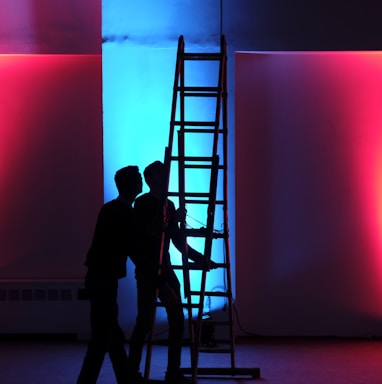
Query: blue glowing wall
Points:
[139, 53]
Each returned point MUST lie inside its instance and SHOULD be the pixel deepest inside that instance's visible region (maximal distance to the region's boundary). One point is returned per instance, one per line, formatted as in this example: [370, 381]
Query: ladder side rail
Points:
[182, 205]
[182, 170]
[230, 303]
[164, 202]
[185, 269]
[209, 228]
[210, 212]
[218, 104]
[211, 208]
[207, 254]
[179, 68]
[181, 173]
[221, 94]
[181, 137]
[225, 204]
[182, 199]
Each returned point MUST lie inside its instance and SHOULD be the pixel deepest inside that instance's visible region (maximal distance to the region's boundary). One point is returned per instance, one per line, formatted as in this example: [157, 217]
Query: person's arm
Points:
[179, 242]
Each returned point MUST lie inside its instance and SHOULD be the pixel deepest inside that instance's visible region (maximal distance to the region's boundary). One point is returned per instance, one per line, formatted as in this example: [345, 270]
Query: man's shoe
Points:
[137, 378]
[177, 377]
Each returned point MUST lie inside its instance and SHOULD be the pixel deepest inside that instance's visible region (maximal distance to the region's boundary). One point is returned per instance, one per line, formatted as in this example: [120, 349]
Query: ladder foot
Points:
[253, 373]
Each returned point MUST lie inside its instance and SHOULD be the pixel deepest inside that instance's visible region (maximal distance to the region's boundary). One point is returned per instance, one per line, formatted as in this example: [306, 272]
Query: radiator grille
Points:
[44, 306]
[37, 294]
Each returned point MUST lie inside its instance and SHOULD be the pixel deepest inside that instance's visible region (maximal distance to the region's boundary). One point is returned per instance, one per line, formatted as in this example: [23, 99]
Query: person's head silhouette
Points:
[128, 181]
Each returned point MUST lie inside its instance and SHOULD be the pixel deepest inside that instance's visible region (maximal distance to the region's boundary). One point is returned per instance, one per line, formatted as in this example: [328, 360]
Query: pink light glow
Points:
[50, 162]
[309, 124]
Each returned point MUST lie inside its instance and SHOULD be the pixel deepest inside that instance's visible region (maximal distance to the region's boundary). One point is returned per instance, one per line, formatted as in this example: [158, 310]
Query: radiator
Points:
[44, 307]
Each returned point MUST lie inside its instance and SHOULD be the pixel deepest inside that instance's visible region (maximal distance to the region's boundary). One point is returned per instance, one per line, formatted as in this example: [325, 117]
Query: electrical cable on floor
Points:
[238, 321]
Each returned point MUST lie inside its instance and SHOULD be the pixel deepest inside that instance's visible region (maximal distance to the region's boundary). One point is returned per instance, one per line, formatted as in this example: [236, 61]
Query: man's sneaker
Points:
[177, 377]
[137, 378]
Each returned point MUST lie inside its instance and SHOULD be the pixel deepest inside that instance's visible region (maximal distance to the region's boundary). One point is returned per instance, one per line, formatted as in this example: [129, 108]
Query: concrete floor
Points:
[281, 361]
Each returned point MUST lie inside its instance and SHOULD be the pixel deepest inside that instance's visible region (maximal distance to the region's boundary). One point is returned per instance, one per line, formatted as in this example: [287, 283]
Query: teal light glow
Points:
[137, 92]
[137, 86]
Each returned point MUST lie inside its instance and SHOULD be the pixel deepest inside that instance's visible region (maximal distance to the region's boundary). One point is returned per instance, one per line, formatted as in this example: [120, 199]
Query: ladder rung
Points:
[192, 305]
[200, 130]
[197, 267]
[205, 202]
[189, 194]
[192, 267]
[197, 166]
[254, 373]
[197, 88]
[211, 293]
[197, 162]
[196, 232]
[202, 232]
[202, 56]
[195, 123]
[184, 305]
[227, 343]
[191, 201]
[201, 166]
[205, 195]
[188, 88]
[194, 158]
[196, 201]
[200, 94]
[215, 350]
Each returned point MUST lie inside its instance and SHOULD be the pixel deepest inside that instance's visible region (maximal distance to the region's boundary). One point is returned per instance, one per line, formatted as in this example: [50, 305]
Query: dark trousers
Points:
[106, 334]
[169, 295]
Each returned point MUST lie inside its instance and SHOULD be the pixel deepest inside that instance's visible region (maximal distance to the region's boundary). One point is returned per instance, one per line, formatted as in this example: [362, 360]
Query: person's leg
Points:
[100, 293]
[169, 294]
[91, 365]
[116, 347]
[146, 294]
[118, 355]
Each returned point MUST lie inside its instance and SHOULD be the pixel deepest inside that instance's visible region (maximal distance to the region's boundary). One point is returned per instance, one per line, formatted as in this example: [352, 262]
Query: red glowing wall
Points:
[309, 192]
[51, 172]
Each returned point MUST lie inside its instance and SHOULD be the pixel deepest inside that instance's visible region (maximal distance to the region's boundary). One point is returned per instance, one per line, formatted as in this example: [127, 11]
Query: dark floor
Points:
[281, 361]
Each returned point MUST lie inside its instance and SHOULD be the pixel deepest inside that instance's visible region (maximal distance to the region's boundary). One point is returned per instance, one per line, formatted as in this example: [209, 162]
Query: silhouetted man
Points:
[113, 241]
[149, 211]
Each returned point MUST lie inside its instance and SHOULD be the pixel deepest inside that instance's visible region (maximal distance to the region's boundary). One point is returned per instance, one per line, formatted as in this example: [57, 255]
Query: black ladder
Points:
[201, 151]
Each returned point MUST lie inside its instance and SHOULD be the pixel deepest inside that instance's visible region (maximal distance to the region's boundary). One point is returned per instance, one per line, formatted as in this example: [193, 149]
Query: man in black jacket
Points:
[113, 241]
[149, 210]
